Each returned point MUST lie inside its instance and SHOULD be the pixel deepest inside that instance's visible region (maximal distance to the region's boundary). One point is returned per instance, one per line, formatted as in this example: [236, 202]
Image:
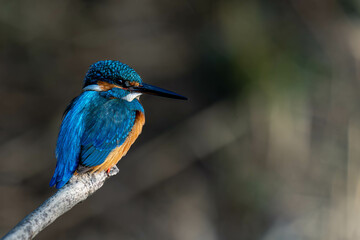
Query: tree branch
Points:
[79, 188]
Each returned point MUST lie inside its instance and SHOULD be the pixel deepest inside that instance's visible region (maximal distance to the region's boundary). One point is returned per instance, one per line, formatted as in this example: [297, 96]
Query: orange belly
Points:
[115, 155]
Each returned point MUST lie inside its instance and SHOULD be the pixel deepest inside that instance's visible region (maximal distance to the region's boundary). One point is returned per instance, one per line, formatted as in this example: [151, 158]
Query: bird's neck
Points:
[114, 94]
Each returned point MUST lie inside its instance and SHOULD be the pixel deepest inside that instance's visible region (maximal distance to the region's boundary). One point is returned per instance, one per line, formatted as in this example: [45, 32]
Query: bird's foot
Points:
[108, 172]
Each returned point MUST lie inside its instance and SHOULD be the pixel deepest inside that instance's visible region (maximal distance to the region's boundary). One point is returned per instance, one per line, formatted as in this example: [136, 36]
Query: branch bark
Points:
[79, 188]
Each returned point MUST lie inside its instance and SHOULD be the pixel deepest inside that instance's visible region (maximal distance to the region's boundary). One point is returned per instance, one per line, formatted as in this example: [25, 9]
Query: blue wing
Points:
[106, 128]
[68, 143]
[92, 127]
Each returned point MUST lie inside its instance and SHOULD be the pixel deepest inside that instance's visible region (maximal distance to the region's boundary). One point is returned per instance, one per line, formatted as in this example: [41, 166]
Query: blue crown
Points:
[110, 71]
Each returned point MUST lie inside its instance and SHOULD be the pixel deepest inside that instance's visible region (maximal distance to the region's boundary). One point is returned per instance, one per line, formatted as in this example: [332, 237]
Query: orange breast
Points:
[115, 155]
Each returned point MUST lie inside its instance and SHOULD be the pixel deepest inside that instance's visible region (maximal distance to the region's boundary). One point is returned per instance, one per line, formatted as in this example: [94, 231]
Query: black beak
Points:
[149, 89]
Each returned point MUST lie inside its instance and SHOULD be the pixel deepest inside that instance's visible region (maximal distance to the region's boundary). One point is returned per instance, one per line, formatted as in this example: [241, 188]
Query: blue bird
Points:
[101, 124]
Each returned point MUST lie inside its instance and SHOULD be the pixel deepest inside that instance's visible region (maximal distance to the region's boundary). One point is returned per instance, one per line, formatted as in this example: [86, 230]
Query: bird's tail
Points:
[61, 177]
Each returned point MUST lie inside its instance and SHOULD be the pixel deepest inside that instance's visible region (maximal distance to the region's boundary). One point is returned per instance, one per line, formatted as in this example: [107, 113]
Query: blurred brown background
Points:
[267, 147]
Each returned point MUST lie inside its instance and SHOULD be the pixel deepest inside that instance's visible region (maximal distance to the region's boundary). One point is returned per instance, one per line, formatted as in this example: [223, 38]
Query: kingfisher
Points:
[100, 125]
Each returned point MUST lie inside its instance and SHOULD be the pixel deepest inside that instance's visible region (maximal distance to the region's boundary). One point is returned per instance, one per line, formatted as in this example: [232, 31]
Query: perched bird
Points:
[101, 124]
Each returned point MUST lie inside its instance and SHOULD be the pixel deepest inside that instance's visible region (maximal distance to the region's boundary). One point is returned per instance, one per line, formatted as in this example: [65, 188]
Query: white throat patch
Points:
[131, 96]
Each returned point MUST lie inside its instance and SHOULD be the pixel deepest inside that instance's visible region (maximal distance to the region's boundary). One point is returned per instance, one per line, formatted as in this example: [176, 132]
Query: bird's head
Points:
[109, 74]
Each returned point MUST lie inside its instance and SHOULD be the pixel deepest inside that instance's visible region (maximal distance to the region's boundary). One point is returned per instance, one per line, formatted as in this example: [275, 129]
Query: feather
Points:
[117, 153]
[68, 145]
[93, 126]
